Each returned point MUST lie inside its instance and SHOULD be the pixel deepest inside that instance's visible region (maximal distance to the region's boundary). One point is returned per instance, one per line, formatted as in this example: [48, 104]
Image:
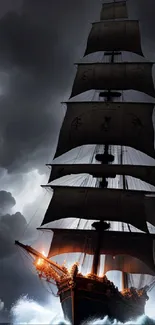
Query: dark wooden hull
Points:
[85, 299]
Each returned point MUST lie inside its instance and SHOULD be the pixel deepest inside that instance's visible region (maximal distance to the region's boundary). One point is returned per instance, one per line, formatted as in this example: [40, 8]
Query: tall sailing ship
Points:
[112, 126]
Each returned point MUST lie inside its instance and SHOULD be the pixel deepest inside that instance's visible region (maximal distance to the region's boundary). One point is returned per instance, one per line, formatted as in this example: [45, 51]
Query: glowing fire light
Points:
[40, 261]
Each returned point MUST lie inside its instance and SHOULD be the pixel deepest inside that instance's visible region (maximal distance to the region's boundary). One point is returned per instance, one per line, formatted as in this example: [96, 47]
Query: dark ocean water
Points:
[27, 311]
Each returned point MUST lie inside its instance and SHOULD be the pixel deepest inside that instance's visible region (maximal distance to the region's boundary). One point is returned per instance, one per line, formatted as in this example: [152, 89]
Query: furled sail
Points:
[116, 35]
[145, 173]
[103, 204]
[126, 263]
[128, 124]
[113, 243]
[114, 10]
[114, 76]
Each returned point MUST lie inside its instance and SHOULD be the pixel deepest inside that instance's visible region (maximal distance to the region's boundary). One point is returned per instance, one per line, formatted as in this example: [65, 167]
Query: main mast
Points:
[124, 183]
[104, 158]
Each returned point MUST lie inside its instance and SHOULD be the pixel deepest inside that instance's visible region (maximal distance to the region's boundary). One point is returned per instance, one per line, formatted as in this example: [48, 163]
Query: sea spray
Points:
[28, 311]
[143, 320]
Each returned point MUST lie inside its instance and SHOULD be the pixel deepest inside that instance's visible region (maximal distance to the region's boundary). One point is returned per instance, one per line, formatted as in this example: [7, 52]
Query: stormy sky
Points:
[39, 42]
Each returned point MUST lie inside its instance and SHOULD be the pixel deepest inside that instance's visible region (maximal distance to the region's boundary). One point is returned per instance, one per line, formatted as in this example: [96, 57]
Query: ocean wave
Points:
[28, 311]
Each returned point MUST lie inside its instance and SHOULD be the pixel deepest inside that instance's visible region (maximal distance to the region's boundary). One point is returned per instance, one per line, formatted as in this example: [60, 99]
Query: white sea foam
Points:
[28, 311]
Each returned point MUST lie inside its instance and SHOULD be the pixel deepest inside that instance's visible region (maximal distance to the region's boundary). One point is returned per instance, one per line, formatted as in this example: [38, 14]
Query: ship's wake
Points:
[28, 311]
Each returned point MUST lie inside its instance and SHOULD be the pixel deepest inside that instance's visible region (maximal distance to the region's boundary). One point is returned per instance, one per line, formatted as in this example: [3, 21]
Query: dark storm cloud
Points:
[16, 272]
[7, 201]
[26, 121]
[36, 48]
[15, 277]
[10, 225]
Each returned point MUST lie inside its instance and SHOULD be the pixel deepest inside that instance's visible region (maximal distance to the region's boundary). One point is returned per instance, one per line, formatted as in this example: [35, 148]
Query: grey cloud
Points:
[12, 227]
[36, 48]
[15, 274]
[7, 201]
[16, 278]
